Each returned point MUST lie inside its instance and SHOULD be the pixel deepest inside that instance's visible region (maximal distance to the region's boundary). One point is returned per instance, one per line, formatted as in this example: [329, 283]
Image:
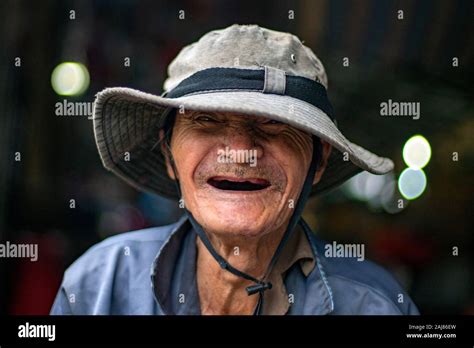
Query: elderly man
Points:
[242, 136]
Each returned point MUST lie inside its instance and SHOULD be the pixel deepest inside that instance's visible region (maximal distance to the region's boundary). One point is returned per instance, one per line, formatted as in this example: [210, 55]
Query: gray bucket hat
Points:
[244, 69]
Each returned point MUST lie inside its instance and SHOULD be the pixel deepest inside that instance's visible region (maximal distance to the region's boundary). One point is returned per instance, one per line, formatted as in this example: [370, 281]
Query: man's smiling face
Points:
[248, 197]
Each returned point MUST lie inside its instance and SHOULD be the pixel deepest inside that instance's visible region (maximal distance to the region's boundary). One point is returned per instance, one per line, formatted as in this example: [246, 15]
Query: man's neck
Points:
[221, 292]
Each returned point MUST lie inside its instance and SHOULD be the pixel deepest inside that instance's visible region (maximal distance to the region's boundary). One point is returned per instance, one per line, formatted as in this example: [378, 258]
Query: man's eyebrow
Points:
[194, 112]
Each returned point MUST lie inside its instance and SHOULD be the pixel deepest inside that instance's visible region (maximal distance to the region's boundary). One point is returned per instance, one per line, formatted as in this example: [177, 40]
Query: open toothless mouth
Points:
[228, 183]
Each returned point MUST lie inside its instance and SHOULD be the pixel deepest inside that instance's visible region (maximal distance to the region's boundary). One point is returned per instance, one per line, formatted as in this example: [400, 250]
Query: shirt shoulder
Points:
[362, 286]
[106, 271]
[149, 241]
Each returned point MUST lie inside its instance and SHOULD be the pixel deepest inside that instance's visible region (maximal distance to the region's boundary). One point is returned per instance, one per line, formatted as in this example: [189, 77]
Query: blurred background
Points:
[417, 222]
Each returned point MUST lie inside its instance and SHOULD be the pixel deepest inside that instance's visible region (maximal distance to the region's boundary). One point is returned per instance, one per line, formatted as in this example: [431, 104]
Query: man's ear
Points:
[166, 155]
[327, 148]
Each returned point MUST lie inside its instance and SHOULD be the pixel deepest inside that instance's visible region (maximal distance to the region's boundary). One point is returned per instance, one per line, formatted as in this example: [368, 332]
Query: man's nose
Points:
[242, 139]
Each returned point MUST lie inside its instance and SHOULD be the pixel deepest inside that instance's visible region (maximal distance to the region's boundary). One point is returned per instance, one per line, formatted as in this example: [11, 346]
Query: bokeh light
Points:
[70, 79]
[391, 199]
[370, 188]
[417, 152]
[412, 183]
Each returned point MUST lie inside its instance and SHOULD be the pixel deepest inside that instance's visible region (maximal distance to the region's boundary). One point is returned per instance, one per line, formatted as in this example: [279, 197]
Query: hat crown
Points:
[246, 47]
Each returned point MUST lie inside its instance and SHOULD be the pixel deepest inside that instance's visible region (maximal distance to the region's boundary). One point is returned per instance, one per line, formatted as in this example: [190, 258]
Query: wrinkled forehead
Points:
[237, 119]
[177, 115]
[227, 115]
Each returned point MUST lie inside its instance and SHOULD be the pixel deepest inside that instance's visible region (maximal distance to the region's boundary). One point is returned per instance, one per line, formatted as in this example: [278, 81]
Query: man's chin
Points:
[233, 223]
[236, 199]
[237, 213]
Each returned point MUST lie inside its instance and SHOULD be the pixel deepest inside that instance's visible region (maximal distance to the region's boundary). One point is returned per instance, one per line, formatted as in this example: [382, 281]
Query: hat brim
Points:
[127, 123]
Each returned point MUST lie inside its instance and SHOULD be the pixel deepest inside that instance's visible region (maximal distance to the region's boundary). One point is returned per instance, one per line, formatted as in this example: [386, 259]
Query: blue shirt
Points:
[153, 271]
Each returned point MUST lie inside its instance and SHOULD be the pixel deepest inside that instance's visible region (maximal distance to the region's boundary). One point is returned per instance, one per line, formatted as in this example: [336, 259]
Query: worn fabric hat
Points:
[244, 69]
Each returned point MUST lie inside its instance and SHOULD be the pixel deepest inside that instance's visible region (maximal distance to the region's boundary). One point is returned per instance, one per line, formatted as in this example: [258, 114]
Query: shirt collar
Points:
[173, 272]
[173, 275]
[297, 252]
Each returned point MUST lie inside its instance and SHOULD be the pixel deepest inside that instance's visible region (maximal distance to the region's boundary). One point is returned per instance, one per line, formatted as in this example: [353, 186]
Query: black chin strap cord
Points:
[260, 285]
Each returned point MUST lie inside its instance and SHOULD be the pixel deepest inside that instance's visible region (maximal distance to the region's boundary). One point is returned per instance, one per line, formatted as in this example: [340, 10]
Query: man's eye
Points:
[272, 122]
[205, 118]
